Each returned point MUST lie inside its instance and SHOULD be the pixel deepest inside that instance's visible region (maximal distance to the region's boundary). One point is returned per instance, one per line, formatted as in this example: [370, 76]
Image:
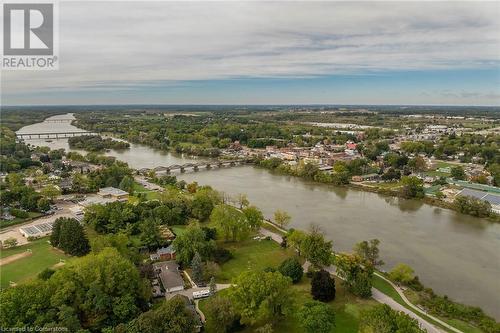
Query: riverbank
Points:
[386, 191]
[452, 252]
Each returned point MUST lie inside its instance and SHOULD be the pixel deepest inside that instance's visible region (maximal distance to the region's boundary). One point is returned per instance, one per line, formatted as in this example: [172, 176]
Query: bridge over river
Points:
[196, 166]
[50, 135]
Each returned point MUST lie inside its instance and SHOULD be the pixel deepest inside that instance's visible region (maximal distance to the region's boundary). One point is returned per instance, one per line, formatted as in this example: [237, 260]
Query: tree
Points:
[316, 249]
[472, 206]
[357, 277]
[10, 242]
[96, 291]
[202, 205]
[412, 187]
[231, 221]
[402, 273]
[261, 296]
[295, 238]
[150, 234]
[50, 192]
[369, 252]
[292, 268]
[457, 172]
[417, 164]
[197, 268]
[192, 241]
[242, 200]
[254, 217]
[72, 238]
[43, 204]
[220, 315]
[282, 218]
[127, 184]
[322, 286]
[172, 316]
[56, 232]
[382, 319]
[192, 187]
[212, 286]
[316, 317]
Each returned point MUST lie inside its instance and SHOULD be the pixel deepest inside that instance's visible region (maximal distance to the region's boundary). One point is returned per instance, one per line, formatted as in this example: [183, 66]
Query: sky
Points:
[235, 52]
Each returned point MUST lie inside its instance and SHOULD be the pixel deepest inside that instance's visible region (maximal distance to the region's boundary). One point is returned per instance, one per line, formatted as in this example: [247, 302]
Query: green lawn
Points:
[43, 256]
[150, 194]
[251, 255]
[257, 255]
[387, 289]
[178, 229]
[346, 306]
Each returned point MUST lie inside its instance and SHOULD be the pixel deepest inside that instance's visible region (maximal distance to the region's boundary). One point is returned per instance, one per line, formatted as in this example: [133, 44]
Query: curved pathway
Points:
[415, 308]
[383, 298]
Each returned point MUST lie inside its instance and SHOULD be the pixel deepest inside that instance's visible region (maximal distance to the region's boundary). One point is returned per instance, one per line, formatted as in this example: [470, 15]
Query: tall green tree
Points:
[150, 234]
[197, 268]
[72, 238]
[357, 277]
[232, 222]
[317, 250]
[127, 184]
[172, 316]
[316, 317]
[369, 252]
[220, 315]
[192, 241]
[254, 217]
[282, 218]
[261, 296]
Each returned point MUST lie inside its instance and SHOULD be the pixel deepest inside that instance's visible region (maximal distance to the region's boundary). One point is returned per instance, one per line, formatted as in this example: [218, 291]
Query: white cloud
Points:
[118, 45]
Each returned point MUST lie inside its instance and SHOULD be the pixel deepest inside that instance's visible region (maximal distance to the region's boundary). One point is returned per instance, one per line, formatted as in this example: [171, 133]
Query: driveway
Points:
[189, 292]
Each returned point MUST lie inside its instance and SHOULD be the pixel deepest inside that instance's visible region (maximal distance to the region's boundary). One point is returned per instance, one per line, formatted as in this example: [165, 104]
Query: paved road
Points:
[13, 231]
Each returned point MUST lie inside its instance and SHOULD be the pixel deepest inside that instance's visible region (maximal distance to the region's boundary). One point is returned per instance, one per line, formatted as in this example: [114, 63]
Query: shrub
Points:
[322, 286]
[291, 267]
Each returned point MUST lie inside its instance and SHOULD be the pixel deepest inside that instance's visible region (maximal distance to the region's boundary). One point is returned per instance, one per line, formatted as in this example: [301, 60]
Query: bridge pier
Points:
[183, 170]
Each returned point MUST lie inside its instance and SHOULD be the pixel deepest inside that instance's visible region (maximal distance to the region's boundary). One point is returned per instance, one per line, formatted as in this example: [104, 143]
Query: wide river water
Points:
[455, 254]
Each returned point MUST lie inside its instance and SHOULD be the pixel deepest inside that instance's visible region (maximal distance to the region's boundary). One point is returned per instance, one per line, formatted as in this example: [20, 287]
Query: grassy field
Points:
[251, 255]
[178, 229]
[346, 306]
[150, 194]
[43, 256]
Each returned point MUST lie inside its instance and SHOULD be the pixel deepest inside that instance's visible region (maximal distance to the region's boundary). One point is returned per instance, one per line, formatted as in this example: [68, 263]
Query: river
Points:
[455, 254]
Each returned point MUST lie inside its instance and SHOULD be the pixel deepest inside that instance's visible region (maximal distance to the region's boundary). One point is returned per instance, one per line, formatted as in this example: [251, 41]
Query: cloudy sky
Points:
[269, 53]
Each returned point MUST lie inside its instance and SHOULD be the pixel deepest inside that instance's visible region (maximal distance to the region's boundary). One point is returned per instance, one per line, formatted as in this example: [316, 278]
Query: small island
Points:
[96, 143]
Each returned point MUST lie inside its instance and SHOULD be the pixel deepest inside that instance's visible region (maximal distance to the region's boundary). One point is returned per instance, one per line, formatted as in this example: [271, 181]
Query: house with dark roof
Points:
[170, 276]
